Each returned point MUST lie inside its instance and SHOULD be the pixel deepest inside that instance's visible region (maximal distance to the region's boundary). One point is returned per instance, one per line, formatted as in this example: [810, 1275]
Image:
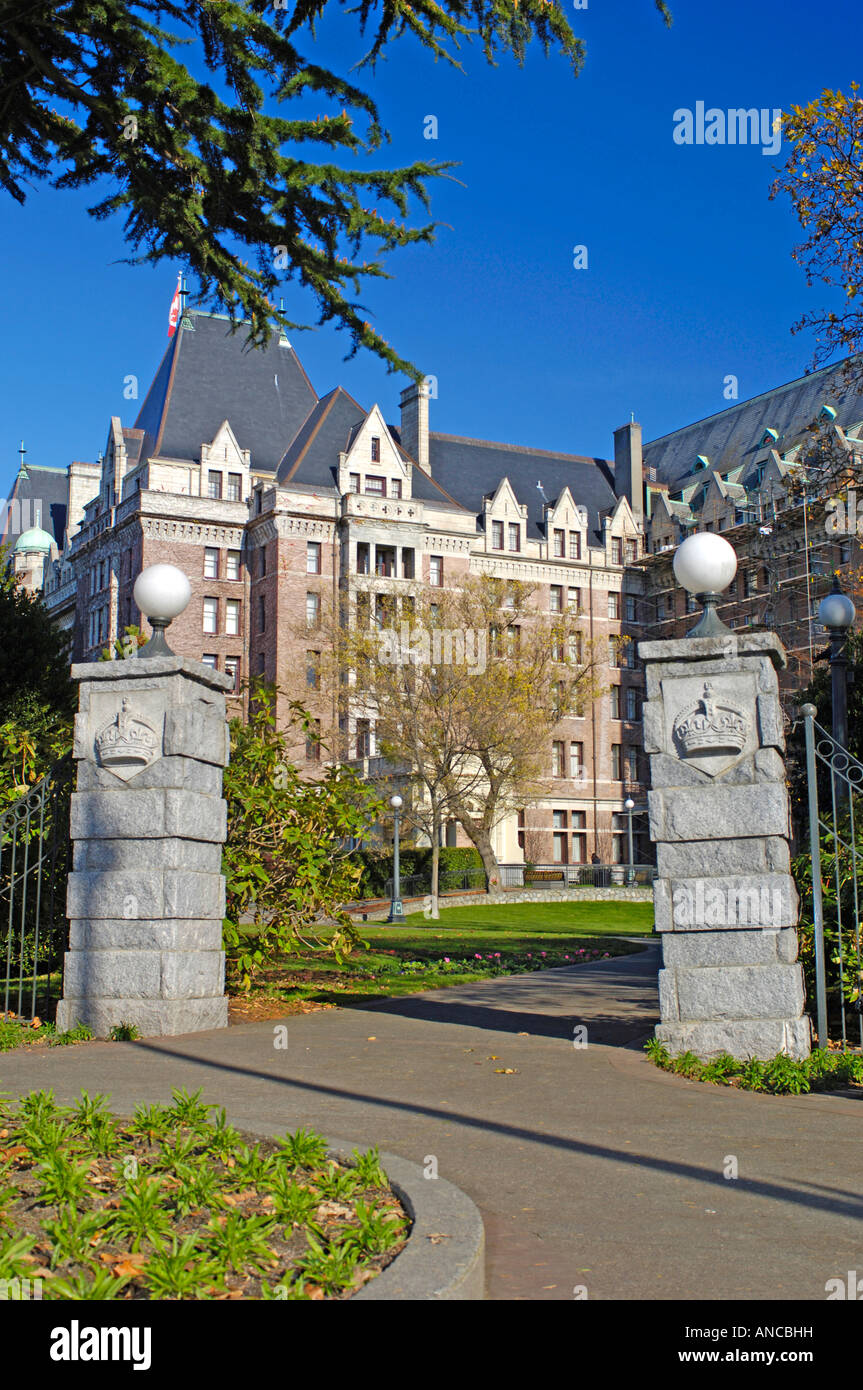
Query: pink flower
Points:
[477, 956]
[446, 960]
[542, 953]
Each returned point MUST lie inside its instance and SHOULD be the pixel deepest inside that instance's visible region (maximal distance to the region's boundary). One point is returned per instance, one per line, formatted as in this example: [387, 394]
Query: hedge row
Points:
[378, 868]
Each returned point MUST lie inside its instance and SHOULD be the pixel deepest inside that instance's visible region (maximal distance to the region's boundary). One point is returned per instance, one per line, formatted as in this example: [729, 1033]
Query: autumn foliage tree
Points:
[823, 177]
[464, 688]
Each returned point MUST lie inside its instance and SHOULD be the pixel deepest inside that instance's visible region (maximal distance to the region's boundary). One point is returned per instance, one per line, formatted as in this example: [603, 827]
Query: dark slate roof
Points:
[42, 489]
[207, 376]
[313, 454]
[471, 469]
[734, 436]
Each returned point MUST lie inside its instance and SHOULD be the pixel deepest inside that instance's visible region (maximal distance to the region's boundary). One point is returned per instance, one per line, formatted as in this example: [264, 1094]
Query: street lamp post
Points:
[629, 807]
[161, 592]
[837, 613]
[396, 910]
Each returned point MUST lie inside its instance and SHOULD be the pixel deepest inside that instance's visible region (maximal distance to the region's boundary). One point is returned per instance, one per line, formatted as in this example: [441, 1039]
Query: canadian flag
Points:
[174, 315]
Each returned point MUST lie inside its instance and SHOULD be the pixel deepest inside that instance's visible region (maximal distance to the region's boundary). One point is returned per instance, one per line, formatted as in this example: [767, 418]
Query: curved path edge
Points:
[444, 1257]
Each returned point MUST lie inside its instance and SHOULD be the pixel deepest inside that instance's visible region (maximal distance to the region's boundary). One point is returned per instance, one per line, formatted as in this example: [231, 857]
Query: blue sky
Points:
[689, 276]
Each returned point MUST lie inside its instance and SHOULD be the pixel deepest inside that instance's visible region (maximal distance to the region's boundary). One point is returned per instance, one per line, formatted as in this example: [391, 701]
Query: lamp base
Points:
[157, 646]
[709, 624]
[397, 914]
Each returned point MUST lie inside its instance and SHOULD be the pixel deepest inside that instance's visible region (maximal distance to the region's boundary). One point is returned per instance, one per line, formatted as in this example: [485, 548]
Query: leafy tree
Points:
[464, 696]
[823, 176]
[37, 696]
[287, 857]
[95, 92]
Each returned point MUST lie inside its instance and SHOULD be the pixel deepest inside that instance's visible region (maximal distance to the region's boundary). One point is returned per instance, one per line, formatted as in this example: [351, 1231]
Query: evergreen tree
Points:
[95, 93]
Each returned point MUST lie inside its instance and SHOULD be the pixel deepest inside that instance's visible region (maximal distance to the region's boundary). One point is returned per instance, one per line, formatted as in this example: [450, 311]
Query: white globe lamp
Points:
[161, 592]
[705, 564]
[836, 611]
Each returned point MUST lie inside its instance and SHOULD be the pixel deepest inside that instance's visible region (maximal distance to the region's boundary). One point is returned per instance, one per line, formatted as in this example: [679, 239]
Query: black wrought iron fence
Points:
[832, 898]
[34, 864]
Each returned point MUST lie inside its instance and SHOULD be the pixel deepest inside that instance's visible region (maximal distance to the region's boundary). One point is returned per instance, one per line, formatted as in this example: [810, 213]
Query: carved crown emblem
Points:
[708, 727]
[126, 744]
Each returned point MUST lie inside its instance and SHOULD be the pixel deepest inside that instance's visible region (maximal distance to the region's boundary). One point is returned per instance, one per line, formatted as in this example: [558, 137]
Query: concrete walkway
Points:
[590, 1166]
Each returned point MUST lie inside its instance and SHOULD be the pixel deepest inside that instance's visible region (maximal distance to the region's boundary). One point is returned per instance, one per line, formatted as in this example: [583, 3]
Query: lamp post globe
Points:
[836, 611]
[705, 564]
[161, 592]
[396, 803]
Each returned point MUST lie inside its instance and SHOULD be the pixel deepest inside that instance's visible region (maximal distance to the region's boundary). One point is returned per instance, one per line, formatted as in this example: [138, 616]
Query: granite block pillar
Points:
[725, 901]
[146, 896]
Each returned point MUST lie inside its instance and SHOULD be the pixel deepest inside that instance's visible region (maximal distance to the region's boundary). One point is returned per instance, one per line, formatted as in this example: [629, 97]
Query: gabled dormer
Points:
[373, 464]
[565, 528]
[505, 520]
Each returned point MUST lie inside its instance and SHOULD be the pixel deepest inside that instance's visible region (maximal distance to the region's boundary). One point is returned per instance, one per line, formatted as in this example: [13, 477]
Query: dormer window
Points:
[514, 536]
[497, 535]
[827, 413]
[768, 438]
[701, 461]
[376, 487]
[376, 449]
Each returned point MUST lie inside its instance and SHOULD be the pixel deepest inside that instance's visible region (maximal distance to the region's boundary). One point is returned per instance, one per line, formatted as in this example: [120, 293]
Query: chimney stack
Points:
[628, 471]
[414, 428]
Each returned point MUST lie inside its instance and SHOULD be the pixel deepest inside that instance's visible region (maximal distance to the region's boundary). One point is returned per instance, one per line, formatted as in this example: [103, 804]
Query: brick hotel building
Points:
[278, 503]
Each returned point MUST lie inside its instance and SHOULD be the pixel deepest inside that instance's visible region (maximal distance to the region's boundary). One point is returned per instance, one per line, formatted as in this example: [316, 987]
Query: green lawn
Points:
[466, 944]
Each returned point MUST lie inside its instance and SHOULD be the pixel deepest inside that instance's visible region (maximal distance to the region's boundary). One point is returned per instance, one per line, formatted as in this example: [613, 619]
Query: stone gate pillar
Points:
[146, 896]
[725, 901]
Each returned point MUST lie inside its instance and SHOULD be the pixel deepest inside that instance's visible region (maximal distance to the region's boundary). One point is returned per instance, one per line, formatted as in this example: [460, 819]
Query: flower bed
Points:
[176, 1204]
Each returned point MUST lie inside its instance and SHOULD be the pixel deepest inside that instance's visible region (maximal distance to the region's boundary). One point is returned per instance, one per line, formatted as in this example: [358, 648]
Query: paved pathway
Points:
[589, 1165]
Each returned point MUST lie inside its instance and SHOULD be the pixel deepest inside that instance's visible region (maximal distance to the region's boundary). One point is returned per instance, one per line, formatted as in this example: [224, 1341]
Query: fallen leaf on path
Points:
[505, 1071]
[436, 1237]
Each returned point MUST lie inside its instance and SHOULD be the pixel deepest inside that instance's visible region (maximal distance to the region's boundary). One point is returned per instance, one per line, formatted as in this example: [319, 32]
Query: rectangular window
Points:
[232, 617]
[211, 562]
[631, 552]
[313, 609]
[376, 449]
[235, 487]
[497, 535]
[615, 702]
[520, 825]
[632, 764]
[313, 557]
[616, 550]
[363, 557]
[577, 770]
[214, 484]
[436, 571]
[313, 743]
[555, 598]
[210, 659]
[631, 702]
[575, 643]
[613, 605]
[557, 757]
[232, 669]
[579, 839]
[211, 615]
[262, 613]
[514, 535]
[364, 738]
[575, 545]
[616, 762]
[376, 486]
[262, 663]
[396, 488]
[613, 652]
[573, 597]
[408, 561]
[630, 608]
[353, 482]
[262, 569]
[559, 544]
[313, 670]
[233, 568]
